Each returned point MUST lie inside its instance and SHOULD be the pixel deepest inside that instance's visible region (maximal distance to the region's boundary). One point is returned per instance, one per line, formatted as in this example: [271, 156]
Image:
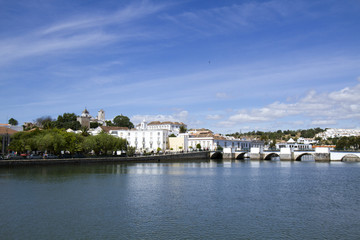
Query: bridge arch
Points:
[350, 158]
[241, 156]
[270, 156]
[216, 155]
[311, 156]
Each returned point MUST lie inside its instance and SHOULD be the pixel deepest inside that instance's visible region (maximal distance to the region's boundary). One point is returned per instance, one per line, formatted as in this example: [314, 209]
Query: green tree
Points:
[68, 120]
[342, 144]
[94, 124]
[45, 122]
[109, 123]
[130, 151]
[103, 143]
[52, 141]
[182, 129]
[122, 121]
[73, 142]
[84, 131]
[273, 143]
[24, 141]
[13, 122]
[198, 146]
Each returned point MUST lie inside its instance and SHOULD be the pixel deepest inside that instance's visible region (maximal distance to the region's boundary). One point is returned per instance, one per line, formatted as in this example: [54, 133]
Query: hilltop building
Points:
[85, 118]
[338, 133]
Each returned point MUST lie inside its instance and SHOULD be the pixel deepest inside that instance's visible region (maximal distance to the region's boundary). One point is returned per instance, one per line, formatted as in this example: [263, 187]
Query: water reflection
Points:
[191, 200]
[307, 158]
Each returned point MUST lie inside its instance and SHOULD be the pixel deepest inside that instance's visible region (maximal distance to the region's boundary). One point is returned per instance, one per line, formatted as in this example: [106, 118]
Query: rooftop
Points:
[163, 123]
[6, 130]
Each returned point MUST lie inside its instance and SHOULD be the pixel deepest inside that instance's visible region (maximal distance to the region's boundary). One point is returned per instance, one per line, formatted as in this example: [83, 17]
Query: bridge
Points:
[287, 154]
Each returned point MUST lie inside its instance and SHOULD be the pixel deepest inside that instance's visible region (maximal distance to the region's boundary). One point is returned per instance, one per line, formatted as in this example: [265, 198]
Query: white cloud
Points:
[333, 106]
[221, 95]
[213, 117]
[323, 122]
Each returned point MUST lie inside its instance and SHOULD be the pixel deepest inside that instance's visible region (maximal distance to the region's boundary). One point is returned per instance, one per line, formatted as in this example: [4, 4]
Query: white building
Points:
[171, 127]
[211, 142]
[301, 144]
[142, 140]
[338, 133]
[302, 140]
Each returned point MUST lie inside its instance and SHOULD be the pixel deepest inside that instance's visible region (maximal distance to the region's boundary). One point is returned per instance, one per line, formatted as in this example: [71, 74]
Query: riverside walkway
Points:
[116, 159]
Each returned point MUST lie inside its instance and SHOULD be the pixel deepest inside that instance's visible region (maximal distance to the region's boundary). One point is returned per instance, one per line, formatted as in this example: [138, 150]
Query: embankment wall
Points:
[155, 158]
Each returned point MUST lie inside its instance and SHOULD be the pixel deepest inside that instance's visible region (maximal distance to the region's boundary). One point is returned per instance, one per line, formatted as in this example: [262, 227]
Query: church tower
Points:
[101, 116]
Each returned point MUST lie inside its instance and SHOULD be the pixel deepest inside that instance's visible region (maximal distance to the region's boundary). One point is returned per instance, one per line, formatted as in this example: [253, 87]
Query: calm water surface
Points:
[194, 200]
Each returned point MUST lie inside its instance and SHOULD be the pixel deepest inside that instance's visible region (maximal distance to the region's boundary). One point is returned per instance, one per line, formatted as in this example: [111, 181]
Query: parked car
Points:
[35, 156]
[13, 156]
[66, 155]
[51, 156]
[78, 155]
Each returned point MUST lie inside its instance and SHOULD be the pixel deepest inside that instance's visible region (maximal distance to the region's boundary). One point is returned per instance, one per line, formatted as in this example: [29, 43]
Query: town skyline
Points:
[225, 66]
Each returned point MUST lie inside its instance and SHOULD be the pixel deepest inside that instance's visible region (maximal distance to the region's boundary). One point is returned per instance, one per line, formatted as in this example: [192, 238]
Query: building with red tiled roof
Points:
[6, 130]
[107, 129]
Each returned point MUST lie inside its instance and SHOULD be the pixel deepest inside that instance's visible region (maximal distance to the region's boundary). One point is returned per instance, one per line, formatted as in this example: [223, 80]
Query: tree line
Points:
[279, 134]
[56, 141]
[69, 120]
[347, 143]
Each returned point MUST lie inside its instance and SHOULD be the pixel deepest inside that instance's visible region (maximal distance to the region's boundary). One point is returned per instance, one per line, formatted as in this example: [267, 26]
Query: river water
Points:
[192, 200]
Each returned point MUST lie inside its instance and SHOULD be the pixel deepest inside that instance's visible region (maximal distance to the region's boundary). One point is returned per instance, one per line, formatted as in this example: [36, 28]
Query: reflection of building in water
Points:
[85, 118]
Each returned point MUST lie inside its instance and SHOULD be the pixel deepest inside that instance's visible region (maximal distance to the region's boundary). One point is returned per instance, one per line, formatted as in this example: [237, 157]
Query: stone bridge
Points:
[288, 154]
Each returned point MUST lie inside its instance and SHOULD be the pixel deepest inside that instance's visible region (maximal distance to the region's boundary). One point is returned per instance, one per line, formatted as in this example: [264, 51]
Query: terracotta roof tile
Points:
[5, 130]
[109, 128]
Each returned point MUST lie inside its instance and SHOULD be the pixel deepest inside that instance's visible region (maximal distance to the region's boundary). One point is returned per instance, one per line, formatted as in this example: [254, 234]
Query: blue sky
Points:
[225, 65]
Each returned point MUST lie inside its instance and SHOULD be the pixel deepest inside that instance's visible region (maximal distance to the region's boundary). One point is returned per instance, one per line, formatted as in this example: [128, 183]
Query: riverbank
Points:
[154, 158]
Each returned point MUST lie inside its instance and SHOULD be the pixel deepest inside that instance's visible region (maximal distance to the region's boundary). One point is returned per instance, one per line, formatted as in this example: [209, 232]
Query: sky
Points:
[228, 66]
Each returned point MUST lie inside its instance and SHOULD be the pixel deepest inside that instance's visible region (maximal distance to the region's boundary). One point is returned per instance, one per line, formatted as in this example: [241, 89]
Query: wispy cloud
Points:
[238, 16]
[135, 11]
[78, 33]
[213, 117]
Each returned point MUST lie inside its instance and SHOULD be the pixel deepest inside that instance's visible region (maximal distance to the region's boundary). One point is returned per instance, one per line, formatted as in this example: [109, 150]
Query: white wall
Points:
[144, 140]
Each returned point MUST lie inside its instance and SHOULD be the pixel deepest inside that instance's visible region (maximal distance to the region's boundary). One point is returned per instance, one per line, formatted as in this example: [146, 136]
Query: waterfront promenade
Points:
[115, 159]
